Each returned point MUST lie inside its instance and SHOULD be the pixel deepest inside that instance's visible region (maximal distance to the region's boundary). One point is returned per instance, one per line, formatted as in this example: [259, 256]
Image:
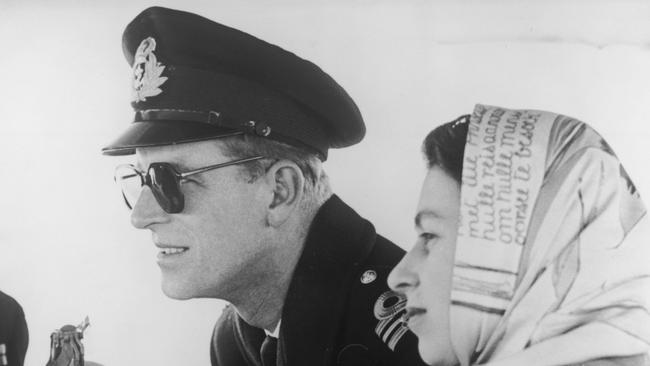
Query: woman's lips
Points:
[413, 316]
[413, 311]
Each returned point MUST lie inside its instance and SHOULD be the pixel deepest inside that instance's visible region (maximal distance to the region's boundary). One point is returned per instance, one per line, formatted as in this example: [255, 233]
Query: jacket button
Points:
[355, 355]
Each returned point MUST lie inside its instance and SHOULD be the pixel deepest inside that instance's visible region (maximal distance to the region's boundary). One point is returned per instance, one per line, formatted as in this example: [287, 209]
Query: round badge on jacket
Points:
[368, 276]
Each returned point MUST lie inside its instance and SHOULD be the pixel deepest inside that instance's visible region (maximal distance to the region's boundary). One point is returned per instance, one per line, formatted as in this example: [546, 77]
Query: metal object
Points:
[368, 276]
[66, 348]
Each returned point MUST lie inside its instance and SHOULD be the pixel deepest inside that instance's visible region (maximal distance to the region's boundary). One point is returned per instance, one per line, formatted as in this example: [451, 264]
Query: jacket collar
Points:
[339, 240]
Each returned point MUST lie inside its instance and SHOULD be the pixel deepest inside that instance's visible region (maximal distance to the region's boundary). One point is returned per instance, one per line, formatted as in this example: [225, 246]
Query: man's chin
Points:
[176, 291]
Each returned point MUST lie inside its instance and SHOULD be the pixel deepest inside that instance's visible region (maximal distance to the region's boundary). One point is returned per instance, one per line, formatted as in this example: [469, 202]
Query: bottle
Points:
[66, 347]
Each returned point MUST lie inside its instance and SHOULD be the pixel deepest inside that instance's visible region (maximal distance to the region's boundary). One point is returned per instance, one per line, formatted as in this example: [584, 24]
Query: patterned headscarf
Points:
[552, 263]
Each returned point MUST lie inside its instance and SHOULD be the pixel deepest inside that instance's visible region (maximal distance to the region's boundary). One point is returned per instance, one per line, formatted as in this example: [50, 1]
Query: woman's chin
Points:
[435, 353]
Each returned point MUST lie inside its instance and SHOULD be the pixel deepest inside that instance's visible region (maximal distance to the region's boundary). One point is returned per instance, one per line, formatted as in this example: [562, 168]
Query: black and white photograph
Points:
[293, 183]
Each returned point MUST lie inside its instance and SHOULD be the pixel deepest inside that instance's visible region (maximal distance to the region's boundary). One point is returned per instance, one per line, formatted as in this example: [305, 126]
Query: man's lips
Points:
[165, 250]
[172, 250]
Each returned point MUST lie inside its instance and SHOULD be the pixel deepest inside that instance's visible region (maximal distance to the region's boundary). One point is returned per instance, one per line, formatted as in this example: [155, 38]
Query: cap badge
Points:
[147, 72]
[368, 276]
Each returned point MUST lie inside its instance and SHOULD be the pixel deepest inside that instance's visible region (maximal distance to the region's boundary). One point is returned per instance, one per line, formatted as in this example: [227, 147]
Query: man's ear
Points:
[287, 182]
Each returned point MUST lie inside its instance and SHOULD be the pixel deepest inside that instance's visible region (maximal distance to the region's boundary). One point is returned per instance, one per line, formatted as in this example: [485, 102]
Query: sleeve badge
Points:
[389, 311]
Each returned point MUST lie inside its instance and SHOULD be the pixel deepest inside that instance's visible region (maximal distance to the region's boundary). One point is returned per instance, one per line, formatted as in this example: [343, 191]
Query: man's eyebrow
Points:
[421, 214]
[180, 165]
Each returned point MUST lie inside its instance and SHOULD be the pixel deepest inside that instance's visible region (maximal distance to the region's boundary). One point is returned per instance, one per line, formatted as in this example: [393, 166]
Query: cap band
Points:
[210, 117]
[258, 128]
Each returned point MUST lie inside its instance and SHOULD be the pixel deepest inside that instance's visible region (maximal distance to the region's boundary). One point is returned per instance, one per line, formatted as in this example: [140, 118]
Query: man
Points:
[229, 135]
[14, 336]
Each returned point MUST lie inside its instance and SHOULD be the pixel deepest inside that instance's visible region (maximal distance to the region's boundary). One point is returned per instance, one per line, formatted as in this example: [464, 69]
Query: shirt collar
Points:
[276, 330]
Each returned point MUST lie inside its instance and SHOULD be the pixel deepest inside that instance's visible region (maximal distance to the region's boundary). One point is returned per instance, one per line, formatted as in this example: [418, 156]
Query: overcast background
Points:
[67, 249]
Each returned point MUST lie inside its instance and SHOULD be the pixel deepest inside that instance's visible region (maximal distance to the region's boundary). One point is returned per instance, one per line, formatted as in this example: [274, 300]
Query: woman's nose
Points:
[147, 211]
[404, 275]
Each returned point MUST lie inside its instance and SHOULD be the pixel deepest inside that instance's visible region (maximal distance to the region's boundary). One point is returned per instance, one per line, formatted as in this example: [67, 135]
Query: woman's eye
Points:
[428, 240]
[428, 236]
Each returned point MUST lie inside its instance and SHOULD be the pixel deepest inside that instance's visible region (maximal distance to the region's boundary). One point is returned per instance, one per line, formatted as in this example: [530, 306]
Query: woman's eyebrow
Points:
[426, 213]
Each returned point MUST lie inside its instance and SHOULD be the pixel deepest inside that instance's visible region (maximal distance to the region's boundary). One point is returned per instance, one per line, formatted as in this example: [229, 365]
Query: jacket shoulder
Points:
[13, 328]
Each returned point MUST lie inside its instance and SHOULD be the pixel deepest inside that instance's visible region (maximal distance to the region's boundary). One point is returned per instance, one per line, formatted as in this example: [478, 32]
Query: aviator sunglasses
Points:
[164, 182]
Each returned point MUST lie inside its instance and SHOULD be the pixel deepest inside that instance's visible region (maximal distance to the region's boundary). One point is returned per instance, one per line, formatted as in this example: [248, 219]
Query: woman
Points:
[530, 247]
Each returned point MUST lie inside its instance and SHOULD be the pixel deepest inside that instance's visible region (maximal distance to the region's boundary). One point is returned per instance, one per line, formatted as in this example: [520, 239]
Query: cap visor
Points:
[160, 133]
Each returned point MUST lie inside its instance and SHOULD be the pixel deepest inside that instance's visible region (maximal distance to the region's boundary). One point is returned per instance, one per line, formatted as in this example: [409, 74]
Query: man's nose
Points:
[404, 276]
[147, 211]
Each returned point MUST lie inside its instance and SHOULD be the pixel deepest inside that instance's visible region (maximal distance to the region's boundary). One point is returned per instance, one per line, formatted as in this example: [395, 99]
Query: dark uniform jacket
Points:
[13, 330]
[338, 310]
[638, 360]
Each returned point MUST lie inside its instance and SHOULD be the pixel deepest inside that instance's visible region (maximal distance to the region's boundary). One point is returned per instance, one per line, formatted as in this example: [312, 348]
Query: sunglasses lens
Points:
[130, 182]
[166, 188]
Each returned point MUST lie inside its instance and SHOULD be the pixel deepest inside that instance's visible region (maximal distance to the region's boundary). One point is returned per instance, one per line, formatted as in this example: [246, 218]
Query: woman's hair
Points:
[444, 147]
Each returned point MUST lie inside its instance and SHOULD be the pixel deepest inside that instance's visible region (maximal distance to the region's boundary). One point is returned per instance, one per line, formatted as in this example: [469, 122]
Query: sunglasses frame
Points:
[146, 180]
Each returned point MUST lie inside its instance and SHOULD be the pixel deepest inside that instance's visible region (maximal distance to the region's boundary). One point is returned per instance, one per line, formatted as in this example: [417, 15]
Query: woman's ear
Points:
[286, 181]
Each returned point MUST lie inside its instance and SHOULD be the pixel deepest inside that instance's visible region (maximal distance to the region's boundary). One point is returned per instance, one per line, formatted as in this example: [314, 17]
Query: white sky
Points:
[67, 249]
